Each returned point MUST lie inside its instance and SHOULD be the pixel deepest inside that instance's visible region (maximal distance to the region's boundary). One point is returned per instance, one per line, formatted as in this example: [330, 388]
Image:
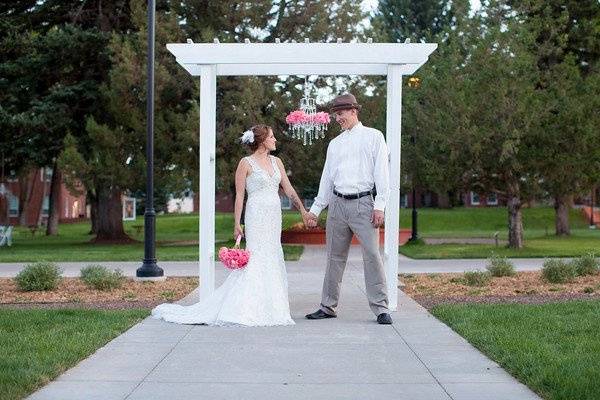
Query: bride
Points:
[256, 295]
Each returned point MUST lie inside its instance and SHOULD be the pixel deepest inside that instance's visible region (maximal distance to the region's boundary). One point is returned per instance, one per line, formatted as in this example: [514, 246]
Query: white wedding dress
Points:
[258, 294]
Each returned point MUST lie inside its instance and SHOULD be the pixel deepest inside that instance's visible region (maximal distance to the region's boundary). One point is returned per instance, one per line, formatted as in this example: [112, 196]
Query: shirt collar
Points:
[355, 128]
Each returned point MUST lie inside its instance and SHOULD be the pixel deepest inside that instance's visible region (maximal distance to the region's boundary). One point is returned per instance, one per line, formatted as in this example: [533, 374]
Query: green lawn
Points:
[484, 222]
[72, 243]
[552, 348]
[551, 246]
[38, 345]
[175, 232]
[538, 224]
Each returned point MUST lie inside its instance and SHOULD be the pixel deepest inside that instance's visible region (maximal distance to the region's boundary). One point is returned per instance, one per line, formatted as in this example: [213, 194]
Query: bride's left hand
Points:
[238, 231]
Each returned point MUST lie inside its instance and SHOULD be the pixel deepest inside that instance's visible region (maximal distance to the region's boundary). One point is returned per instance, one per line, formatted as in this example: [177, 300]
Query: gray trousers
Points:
[344, 218]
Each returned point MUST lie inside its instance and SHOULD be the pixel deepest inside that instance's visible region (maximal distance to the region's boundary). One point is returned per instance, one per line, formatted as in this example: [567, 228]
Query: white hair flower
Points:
[247, 137]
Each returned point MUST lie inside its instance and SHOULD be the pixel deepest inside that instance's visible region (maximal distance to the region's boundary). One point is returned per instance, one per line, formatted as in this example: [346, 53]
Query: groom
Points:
[354, 187]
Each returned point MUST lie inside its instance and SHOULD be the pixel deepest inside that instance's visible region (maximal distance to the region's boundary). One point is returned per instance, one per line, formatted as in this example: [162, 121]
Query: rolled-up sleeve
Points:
[325, 187]
[381, 172]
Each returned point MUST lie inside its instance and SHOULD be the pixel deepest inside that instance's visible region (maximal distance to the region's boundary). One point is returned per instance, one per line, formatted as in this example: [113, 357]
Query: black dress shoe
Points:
[384, 319]
[319, 314]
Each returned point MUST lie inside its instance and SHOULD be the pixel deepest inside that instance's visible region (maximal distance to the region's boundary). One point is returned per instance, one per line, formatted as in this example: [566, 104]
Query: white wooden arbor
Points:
[209, 60]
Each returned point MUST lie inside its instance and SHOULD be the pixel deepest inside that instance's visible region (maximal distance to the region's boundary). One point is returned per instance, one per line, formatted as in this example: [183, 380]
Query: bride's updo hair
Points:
[261, 133]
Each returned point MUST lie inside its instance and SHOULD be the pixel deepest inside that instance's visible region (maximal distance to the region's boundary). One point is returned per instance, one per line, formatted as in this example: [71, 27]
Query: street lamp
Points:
[414, 82]
[149, 270]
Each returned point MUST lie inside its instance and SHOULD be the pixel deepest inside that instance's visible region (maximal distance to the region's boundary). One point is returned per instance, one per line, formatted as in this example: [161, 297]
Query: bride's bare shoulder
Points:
[244, 164]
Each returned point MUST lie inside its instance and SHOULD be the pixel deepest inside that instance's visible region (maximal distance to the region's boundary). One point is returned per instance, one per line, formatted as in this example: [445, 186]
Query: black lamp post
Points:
[414, 234]
[149, 269]
[414, 82]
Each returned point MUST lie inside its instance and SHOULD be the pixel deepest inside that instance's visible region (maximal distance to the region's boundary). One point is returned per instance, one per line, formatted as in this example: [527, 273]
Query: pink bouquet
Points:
[234, 258]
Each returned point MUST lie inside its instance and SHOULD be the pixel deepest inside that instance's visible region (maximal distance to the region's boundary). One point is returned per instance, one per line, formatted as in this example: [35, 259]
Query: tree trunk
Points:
[54, 202]
[26, 183]
[515, 221]
[4, 217]
[93, 201]
[444, 200]
[109, 222]
[562, 204]
[40, 215]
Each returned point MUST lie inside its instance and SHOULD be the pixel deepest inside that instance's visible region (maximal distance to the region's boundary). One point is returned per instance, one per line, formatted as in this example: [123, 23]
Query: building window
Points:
[286, 204]
[75, 209]
[12, 176]
[426, 199]
[13, 205]
[492, 199]
[46, 206]
[46, 174]
[474, 199]
[404, 200]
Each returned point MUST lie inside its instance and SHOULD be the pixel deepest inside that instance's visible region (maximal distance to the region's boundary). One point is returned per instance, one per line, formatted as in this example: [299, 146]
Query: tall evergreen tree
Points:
[567, 51]
[419, 21]
[110, 160]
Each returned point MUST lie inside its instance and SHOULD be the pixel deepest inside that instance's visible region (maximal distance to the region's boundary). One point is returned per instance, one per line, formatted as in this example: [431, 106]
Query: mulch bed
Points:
[430, 290]
[73, 293]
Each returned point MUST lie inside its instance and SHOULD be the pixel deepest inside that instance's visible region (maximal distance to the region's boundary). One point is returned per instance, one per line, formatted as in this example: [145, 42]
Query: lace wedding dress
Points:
[258, 294]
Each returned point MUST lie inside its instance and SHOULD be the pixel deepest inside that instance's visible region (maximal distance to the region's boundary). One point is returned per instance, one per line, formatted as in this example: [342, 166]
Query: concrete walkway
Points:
[312, 256]
[351, 357]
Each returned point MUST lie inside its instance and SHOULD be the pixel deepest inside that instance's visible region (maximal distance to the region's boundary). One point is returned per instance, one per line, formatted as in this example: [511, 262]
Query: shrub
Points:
[477, 278]
[38, 276]
[587, 264]
[101, 278]
[168, 295]
[558, 271]
[500, 266]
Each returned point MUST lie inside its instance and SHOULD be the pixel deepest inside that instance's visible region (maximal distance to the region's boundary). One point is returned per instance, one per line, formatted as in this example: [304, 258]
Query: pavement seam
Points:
[422, 362]
[157, 364]
[413, 351]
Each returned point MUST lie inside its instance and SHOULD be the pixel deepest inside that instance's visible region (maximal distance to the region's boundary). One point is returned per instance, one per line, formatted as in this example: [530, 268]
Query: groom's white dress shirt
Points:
[357, 161]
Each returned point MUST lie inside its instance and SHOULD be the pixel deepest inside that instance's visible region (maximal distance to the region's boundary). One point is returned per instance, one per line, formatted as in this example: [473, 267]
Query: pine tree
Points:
[110, 159]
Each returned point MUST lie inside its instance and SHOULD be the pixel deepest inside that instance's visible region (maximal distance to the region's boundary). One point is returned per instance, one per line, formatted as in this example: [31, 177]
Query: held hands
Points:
[377, 218]
[309, 219]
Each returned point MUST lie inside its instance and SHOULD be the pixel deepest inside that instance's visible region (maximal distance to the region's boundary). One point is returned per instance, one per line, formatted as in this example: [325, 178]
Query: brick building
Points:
[72, 207]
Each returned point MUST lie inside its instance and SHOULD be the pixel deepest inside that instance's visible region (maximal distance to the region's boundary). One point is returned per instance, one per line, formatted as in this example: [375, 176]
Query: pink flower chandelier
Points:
[306, 123]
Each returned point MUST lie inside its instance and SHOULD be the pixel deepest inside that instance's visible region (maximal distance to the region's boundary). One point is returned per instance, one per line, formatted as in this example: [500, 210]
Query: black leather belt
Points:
[356, 195]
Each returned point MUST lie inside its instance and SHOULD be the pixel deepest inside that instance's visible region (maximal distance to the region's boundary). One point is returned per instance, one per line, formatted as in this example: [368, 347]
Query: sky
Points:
[370, 5]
